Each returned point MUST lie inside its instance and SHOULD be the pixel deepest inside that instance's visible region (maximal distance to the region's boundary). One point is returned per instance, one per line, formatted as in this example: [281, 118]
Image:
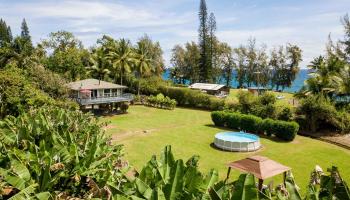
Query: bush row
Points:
[161, 101]
[193, 98]
[281, 129]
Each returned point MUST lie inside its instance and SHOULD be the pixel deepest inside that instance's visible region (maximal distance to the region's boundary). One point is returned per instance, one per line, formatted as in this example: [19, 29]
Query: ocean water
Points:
[296, 86]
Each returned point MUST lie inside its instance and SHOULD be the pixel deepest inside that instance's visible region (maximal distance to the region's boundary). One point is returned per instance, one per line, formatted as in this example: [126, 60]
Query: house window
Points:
[115, 92]
[107, 92]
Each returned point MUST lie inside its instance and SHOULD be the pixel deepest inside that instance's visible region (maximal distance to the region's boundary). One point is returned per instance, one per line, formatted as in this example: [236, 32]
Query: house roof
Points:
[261, 167]
[257, 88]
[92, 84]
[206, 86]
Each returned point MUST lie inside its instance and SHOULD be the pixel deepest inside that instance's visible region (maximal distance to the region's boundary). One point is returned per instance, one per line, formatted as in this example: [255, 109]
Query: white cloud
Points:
[176, 22]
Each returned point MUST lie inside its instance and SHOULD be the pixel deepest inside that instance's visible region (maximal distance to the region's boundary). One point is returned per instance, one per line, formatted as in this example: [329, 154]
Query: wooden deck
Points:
[105, 100]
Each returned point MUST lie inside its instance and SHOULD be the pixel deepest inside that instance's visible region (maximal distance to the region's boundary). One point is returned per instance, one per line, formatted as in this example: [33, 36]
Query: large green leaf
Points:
[25, 193]
[166, 162]
[13, 179]
[20, 169]
[312, 193]
[174, 187]
[43, 196]
[192, 179]
[292, 188]
[219, 191]
[245, 188]
[211, 178]
[143, 188]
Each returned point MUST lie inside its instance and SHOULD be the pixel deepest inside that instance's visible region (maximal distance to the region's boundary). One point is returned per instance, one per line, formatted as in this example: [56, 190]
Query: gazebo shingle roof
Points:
[261, 167]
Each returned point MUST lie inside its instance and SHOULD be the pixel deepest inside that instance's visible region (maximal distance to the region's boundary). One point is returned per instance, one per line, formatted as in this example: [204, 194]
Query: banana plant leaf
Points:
[245, 188]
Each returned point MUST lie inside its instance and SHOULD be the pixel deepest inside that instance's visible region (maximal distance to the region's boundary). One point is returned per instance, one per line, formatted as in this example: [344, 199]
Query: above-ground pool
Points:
[237, 141]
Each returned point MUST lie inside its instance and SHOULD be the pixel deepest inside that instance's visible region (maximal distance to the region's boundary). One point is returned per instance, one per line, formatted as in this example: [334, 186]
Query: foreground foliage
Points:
[168, 179]
[53, 152]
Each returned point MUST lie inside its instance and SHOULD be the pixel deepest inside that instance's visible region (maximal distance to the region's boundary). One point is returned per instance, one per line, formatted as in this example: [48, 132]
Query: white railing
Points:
[105, 99]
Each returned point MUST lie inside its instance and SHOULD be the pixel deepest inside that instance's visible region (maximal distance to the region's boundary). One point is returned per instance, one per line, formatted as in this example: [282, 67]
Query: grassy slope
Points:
[287, 100]
[191, 132]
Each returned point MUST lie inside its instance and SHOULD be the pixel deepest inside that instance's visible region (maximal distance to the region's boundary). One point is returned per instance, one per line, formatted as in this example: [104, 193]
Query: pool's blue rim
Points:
[257, 137]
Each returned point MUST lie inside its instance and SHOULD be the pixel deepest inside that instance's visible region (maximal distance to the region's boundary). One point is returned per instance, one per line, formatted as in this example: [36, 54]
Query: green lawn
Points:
[191, 132]
[288, 97]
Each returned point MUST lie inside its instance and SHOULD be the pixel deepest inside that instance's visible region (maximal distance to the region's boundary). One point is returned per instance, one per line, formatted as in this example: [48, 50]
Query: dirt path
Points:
[334, 138]
[129, 134]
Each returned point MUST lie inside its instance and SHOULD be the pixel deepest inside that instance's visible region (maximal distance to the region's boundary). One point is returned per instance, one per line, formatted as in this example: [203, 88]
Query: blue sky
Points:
[306, 23]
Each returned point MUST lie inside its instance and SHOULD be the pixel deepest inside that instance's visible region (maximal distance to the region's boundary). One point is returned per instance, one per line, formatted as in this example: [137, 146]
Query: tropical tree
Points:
[155, 53]
[122, 58]
[204, 44]
[143, 62]
[100, 65]
[68, 55]
[285, 65]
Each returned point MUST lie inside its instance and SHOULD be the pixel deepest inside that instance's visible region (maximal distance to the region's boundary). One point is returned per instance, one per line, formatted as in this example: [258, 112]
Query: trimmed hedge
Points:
[285, 130]
[250, 123]
[281, 129]
[233, 120]
[219, 118]
[193, 98]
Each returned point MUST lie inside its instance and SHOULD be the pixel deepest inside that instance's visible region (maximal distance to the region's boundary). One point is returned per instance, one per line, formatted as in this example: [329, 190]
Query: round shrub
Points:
[216, 103]
[267, 98]
[233, 120]
[267, 126]
[250, 123]
[285, 130]
[285, 114]
[219, 118]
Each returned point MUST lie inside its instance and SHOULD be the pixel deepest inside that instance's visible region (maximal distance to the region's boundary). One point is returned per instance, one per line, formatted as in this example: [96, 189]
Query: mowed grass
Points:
[288, 97]
[145, 131]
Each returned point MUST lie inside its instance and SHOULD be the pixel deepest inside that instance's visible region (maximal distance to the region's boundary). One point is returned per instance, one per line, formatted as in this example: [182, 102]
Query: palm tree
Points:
[325, 77]
[342, 81]
[122, 58]
[100, 65]
[143, 62]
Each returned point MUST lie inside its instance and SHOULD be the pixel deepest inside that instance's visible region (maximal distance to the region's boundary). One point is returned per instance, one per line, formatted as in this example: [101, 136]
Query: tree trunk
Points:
[121, 78]
[138, 88]
[313, 125]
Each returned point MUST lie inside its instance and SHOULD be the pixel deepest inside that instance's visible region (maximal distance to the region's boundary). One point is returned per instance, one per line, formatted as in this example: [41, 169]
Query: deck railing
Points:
[105, 99]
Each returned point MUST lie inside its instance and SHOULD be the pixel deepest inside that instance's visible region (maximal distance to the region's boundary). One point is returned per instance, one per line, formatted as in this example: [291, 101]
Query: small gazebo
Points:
[260, 166]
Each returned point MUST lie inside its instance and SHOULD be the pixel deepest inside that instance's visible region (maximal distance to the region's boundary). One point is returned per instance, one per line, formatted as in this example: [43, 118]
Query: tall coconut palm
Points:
[122, 58]
[100, 64]
[143, 62]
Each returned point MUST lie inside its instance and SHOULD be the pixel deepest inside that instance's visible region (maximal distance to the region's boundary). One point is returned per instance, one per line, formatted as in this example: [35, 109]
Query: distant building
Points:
[213, 89]
[94, 92]
[257, 90]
